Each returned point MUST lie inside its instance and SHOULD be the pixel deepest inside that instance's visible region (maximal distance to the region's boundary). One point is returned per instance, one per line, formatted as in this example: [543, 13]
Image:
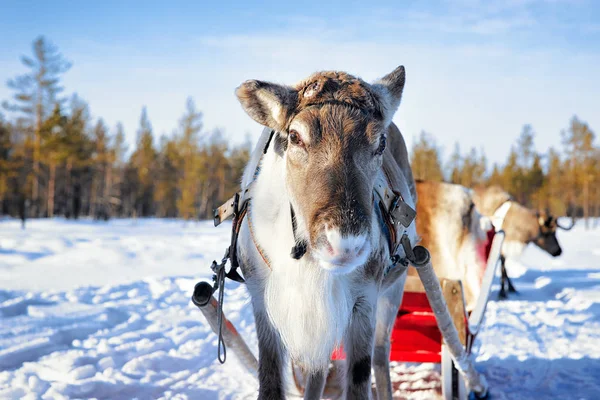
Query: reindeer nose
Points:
[344, 246]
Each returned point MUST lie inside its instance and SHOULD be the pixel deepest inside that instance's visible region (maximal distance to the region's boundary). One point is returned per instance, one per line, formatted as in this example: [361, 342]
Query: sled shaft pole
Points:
[433, 290]
[231, 337]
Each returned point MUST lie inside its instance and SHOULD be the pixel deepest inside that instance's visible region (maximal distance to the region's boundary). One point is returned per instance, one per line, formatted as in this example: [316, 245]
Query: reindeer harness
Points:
[394, 214]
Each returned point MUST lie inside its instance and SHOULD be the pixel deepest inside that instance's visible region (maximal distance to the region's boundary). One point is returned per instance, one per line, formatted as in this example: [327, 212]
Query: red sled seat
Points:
[415, 335]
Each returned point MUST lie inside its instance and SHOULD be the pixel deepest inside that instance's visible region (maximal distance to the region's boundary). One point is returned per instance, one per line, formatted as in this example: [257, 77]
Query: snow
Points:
[102, 310]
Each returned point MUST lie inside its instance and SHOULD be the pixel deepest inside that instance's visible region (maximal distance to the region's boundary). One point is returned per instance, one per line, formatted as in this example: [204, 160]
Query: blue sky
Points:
[476, 70]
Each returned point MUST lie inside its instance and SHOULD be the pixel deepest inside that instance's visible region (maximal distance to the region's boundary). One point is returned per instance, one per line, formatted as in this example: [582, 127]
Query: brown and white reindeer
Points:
[312, 249]
[521, 226]
[455, 233]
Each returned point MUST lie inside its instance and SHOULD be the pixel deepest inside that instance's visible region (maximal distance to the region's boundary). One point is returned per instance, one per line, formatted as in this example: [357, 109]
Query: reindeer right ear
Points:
[389, 89]
[267, 103]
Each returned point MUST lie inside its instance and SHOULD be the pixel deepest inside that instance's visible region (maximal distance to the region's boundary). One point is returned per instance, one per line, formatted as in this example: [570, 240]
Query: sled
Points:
[415, 336]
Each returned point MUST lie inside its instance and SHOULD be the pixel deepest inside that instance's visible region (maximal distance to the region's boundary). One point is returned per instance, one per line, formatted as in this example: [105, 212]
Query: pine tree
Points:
[455, 164]
[525, 147]
[79, 149]
[512, 180]
[116, 190]
[6, 167]
[495, 177]
[425, 159]
[143, 160]
[36, 92]
[102, 160]
[188, 185]
[580, 151]
[53, 151]
[167, 176]
[473, 169]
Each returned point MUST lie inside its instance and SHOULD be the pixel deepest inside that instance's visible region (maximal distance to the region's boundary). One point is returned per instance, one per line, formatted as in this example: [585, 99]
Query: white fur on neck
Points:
[461, 260]
[309, 307]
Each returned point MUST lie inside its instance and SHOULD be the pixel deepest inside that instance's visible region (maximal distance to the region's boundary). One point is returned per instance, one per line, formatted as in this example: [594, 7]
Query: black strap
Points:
[269, 141]
[299, 248]
[221, 349]
[238, 215]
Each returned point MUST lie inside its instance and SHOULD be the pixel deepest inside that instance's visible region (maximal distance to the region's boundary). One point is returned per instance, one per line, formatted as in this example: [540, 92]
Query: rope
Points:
[221, 343]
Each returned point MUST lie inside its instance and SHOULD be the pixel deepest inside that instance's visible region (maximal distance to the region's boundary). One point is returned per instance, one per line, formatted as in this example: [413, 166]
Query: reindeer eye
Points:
[295, 138]
[382, 144]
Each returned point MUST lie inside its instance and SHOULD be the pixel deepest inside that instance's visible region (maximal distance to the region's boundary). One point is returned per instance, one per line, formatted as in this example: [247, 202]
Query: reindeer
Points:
[311, 184]
[454, 231]
[521, 226]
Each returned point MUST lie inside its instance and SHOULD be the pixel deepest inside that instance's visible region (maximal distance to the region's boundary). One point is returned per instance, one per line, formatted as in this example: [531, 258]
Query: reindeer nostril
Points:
[329, 248]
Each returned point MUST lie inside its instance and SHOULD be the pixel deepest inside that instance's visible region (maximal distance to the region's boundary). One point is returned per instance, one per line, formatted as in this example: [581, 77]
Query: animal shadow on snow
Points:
[536, 285]
[28, 255]
[535, 378]
[552, 314]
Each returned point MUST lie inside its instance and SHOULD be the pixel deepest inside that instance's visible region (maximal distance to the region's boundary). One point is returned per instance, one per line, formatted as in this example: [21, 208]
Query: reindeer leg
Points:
[358, 345]
[270, 359]
[503, 278]
[511, 288]
[387, 310]
[315, 382]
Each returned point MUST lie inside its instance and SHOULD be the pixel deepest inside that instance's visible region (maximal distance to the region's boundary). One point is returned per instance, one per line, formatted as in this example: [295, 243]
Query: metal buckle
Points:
[401, 213]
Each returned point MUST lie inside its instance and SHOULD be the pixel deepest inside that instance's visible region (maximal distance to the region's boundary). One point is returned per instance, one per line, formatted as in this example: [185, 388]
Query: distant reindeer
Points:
[455, 233]
[521, 225]
[312, 247]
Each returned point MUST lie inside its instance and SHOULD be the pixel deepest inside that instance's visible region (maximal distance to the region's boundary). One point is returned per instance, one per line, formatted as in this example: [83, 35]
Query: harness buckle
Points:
[226, 210]
[401, 213]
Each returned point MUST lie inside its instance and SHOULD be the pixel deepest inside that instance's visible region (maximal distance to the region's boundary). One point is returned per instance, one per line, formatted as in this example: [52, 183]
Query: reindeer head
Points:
[546, 239]
[331, 131]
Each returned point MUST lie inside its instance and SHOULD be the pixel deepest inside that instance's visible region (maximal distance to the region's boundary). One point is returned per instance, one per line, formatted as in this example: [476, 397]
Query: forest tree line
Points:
[564, 182]
[56, 161]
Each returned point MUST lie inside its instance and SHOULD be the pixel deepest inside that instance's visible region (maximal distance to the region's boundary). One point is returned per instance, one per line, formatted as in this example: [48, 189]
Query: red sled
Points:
[416, 337]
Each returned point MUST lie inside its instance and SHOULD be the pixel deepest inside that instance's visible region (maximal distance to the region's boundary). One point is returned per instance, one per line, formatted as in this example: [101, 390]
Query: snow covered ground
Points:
[91, 309]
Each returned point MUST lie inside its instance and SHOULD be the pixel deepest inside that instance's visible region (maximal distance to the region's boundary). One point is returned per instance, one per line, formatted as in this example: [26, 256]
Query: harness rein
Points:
[394, 215]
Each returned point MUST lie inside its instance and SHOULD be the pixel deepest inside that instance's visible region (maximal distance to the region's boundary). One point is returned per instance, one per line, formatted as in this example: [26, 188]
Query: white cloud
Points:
[477, 92]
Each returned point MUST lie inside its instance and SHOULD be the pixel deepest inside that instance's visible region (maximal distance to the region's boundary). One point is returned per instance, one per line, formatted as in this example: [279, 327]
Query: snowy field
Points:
[102, 310]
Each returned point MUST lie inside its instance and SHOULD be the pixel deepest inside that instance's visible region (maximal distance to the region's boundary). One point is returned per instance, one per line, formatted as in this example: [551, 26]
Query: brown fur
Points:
[521, 224]
[331, 168]
[346, 120]
[432, 204]
[489, 199]
[337, 88]
[445, 224]
[327, 176]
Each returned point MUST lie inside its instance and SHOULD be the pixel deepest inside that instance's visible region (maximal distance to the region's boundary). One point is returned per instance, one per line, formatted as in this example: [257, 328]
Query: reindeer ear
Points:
[389, 89]
[267, 103]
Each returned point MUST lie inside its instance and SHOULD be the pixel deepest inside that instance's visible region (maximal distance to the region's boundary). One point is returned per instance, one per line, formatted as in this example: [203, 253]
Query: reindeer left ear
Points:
[389, 89]
[267, 103]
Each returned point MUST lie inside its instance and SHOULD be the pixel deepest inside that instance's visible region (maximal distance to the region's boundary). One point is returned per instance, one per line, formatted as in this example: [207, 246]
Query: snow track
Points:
[102, 310]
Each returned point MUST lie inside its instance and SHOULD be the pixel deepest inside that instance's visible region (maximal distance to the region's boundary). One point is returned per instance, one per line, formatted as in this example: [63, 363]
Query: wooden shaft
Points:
[476, 382]
[231, 337]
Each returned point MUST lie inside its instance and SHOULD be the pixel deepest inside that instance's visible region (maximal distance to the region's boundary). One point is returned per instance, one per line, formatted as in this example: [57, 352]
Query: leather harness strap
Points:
[395, 215]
